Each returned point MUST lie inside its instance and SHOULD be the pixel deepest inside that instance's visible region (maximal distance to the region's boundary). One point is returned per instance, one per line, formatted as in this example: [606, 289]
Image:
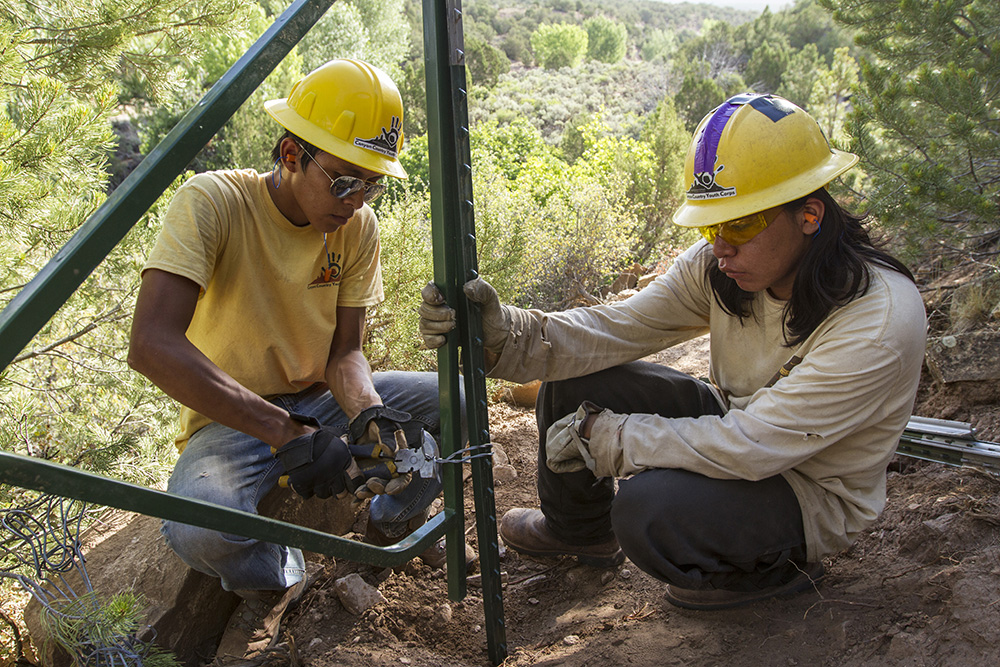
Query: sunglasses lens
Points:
[737, 232]
[345, 186]
[373, 191]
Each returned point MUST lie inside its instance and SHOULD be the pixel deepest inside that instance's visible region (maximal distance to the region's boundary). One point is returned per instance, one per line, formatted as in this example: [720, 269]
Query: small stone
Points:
[625, 574]
[532, 600]
[569, 640]
[316, 641]
[443, 614]
[476, 580]
[504, 473]
[500, 457]
[607, 577]
[405, 661]
[356, 594]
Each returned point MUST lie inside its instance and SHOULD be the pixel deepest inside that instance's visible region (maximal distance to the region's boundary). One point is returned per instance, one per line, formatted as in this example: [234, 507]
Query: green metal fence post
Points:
[455, 262]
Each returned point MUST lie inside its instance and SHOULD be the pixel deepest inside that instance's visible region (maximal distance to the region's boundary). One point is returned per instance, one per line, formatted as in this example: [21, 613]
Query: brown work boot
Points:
[254, 625]
[434, 556]
[708, 600]
[525, 531]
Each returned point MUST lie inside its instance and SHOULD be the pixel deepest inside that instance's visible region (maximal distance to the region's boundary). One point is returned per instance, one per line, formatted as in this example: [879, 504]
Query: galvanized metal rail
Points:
[951, 442]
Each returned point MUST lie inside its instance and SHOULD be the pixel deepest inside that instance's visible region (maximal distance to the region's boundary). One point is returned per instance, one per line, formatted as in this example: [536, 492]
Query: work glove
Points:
[565, 449]
[437, 318]
[318, 463]
[376, 434]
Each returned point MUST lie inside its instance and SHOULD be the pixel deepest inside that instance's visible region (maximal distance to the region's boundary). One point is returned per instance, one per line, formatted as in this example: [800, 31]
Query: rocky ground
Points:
[922, 587]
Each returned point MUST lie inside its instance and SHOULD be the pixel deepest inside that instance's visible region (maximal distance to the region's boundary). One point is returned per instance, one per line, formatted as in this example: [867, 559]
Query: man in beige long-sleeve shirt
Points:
[731, 491]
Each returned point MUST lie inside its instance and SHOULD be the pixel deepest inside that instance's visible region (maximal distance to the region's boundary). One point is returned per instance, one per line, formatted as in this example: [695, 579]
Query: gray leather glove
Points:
[437, 318]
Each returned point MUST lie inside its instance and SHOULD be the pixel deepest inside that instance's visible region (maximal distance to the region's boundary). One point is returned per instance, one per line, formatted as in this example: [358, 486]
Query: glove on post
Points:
[437, 318]
[376, 434]
[496, 316]
[318, 463]
[565, 449]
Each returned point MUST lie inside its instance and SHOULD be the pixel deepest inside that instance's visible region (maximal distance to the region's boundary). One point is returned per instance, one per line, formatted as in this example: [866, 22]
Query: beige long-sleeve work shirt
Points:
[829, 426]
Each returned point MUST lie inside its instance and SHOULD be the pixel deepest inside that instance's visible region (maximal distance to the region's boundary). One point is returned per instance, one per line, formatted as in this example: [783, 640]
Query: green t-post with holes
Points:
[453, 231]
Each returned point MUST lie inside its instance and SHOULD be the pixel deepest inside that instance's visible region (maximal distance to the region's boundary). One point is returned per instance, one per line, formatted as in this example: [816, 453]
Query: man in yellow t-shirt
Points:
[251, 315]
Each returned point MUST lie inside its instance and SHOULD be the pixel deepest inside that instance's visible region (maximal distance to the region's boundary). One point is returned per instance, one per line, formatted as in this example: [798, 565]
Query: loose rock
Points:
[356, 594]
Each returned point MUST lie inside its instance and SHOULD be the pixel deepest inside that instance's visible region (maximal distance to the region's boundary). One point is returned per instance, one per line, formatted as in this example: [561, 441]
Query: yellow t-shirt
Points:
[270, 290]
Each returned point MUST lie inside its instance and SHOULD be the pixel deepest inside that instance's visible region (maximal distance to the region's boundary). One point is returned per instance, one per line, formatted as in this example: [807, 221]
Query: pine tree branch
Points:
[101, 319]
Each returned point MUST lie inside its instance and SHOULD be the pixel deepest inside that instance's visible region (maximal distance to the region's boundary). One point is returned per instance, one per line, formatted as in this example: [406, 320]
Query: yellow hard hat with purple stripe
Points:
[751, 153]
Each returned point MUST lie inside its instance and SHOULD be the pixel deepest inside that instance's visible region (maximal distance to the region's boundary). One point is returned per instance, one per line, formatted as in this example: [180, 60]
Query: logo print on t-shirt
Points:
[330, 275]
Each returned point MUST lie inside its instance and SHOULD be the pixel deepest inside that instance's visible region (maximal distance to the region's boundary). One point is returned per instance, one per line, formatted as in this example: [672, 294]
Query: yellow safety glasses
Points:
[740, 230]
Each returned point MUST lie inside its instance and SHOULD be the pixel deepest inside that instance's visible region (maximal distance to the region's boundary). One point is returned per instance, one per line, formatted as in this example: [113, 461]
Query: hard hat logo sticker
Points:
[705, 187]
[386, 143]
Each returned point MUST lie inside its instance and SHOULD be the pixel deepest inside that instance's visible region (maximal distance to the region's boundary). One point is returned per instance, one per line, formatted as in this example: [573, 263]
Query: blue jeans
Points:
[227, 467]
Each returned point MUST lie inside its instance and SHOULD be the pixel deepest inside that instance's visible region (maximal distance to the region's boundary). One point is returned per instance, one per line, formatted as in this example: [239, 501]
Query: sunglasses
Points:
[345, 186]
[740, 230]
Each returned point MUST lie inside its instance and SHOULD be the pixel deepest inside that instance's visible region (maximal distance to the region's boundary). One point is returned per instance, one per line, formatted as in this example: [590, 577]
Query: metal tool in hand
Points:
[418, 460]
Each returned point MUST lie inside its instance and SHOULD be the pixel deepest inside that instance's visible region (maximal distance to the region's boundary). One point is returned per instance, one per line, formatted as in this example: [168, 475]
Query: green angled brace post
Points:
[68, 482]
[455, 262]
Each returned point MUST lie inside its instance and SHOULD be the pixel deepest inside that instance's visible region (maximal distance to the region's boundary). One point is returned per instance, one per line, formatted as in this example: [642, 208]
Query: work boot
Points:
[708, 600]
[526, 532]
[434, 556]
[254, 624]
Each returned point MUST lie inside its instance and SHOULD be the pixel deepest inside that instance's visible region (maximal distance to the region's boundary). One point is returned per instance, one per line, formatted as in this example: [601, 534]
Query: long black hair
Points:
[833, 272]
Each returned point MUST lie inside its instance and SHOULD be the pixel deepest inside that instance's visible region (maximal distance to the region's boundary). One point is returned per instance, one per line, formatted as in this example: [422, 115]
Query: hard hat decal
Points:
[386, 143]
[774, 108]
[705, 187]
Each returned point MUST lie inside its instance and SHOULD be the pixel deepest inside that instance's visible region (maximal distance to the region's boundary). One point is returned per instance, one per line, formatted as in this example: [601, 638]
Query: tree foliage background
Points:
[926, 120]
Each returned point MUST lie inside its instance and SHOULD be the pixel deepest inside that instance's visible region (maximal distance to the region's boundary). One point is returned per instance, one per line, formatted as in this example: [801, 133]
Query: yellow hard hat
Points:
[752, 153]
[349, 109]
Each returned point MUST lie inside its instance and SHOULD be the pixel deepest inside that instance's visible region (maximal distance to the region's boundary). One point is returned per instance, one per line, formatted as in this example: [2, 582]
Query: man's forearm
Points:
[350, 380]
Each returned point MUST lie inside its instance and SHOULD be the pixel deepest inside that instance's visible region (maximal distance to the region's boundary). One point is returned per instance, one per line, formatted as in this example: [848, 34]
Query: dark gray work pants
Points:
[679, 526]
